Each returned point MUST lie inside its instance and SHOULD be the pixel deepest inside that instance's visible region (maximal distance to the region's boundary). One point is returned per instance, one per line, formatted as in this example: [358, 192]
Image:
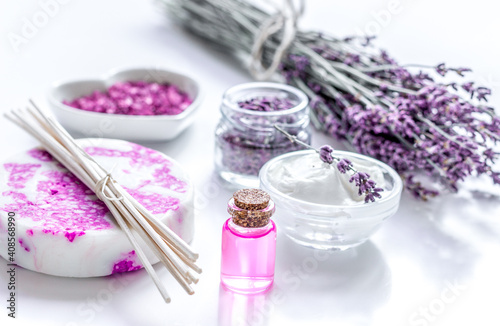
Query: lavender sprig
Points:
[366, 186]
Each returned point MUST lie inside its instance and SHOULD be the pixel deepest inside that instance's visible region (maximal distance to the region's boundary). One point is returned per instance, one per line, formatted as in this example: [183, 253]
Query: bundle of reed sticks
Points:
[135, 221]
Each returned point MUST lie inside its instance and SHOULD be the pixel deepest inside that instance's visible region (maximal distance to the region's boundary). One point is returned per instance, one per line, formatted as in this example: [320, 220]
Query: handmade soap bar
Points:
[62, 228]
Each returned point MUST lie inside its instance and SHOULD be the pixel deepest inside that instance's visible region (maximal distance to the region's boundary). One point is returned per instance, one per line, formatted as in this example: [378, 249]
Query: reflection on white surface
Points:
[236, 309]
[334, 285]
[347, 286]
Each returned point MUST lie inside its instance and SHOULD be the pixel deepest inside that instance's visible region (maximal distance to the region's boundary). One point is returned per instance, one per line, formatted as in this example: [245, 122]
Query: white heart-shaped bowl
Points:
[128, 127]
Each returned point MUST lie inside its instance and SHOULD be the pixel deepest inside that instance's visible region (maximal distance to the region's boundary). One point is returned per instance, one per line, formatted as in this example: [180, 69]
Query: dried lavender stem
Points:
[294, 139]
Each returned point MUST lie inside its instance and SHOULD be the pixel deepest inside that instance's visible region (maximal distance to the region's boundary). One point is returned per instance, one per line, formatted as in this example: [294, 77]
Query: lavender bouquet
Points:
[401, 115]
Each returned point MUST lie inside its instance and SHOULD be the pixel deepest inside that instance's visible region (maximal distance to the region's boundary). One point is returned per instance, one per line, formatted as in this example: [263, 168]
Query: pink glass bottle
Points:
[249, 243]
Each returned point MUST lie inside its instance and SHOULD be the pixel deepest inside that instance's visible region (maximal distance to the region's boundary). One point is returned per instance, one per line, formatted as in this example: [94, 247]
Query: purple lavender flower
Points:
[482, 92]
[468, 87]
[460, 71]
[441, 69]
[489, 154]
[325, 153]
[366, 186]
[344, 165]
[496, 178]
[301, 63]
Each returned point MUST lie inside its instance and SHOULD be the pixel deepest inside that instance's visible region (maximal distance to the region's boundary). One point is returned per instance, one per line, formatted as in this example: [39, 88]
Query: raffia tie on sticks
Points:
[135, 220]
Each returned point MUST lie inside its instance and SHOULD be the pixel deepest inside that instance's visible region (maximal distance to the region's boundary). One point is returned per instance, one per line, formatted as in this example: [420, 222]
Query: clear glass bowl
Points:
[332, 227]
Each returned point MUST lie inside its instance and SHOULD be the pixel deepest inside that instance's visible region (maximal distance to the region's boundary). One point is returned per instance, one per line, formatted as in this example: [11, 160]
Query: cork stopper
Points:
[251, 199]
[251, 208]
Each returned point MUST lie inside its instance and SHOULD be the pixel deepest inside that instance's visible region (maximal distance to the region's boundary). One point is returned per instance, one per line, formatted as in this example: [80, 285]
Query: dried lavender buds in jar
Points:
[135, 98]
[245, 136]
[267, 104]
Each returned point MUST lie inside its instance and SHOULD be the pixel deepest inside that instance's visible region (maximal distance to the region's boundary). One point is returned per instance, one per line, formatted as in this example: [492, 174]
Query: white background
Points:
[403, 271]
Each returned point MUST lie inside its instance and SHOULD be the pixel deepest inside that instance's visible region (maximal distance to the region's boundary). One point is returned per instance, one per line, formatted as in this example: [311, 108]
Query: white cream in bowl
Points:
[308, 178]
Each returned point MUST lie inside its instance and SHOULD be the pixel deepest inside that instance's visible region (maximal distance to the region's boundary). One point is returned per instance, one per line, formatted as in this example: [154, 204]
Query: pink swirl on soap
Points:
[155, 203]
[17, 196]
[139, 156]
[41, 155]
[19, 174]
[164, 179]
[126, 264]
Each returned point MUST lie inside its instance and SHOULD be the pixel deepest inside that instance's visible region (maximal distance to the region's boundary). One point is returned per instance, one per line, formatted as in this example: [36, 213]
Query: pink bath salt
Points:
[135, 98]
